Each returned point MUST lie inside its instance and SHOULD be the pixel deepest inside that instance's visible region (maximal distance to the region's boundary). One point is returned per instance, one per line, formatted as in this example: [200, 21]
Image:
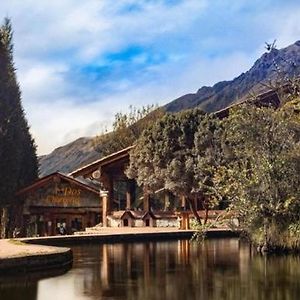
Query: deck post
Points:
[105, 207]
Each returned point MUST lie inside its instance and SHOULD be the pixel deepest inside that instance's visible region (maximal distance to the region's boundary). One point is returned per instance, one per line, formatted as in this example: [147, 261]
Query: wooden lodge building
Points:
[123, 202]
[126, 204]
[58, 204]
[101, 193]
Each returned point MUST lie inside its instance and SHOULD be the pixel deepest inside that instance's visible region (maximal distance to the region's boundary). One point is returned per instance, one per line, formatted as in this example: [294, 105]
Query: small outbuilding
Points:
[131, 218]
[136, 218]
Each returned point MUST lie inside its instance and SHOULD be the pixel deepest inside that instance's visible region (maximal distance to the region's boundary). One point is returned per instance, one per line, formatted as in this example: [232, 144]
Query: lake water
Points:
[217, 269]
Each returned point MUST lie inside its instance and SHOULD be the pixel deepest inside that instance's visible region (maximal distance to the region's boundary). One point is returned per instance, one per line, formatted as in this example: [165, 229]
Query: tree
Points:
[18, 160]
[165, 156]
[208, 157]
[127, 128]
[261, 176]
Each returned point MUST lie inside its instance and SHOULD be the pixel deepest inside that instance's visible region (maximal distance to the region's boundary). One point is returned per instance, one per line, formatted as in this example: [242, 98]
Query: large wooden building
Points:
[126, 204]
[58, 204]
[118, 191]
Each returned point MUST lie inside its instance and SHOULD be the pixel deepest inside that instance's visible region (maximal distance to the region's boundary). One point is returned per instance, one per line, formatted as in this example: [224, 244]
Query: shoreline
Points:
[19, 257]
[46, 253]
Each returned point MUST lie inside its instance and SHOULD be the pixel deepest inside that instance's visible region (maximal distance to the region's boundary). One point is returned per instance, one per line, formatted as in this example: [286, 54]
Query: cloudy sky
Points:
[79, 62]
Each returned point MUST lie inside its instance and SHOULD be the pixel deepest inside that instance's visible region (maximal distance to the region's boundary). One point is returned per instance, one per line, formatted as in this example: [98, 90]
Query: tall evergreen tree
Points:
[18, 160]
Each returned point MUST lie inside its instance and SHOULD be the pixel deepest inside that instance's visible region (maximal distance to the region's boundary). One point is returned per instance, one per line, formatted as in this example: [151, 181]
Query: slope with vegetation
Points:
[127, 127]
[69, 157]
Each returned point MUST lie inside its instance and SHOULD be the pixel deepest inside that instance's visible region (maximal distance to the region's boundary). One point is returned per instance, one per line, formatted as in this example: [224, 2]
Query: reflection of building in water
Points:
[150, 270]
[184, 251]
[58, 204]
[105, 267]
[160, 270]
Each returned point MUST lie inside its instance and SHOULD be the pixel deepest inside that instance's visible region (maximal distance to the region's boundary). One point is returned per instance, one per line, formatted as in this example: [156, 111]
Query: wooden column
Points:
[185, 220]
[107, 181]
[105, 207]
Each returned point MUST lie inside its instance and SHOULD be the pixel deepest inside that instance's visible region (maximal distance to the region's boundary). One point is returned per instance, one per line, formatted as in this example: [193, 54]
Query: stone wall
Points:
[112, 222]
[167, 223]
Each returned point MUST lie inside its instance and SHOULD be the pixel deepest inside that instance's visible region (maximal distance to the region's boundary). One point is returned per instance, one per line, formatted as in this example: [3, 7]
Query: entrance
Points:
[76, 224]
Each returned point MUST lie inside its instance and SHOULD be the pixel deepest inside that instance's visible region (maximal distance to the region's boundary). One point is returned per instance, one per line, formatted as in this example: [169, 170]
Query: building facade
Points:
[58, 204]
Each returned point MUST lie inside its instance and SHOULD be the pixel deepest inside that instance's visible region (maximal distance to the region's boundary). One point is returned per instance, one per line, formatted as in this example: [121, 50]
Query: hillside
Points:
[222, 94]
[69, 157]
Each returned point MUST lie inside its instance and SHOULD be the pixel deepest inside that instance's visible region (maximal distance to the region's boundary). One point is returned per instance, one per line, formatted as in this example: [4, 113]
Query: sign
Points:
[65, 196]
[63, 200]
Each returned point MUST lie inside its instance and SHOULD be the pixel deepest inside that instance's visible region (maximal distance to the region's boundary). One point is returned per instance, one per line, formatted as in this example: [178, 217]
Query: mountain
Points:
[69, 157]
[287, 60]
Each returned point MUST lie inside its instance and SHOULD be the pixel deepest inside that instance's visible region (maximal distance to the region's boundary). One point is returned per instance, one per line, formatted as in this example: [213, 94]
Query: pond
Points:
[215, 269]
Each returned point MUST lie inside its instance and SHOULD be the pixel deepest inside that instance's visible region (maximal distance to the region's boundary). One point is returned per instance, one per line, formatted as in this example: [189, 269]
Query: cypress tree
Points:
[18, 160]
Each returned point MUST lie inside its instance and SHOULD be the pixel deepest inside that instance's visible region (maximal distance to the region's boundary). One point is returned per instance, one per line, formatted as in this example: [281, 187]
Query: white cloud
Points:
[42, 81]
[93, 27]
[59, 122]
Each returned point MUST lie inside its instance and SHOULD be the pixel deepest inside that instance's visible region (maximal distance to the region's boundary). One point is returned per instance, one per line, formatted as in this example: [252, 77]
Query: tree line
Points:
[251, 159]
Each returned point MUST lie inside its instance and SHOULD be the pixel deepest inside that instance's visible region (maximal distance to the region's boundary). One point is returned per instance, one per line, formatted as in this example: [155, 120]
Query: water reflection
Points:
[216, 269]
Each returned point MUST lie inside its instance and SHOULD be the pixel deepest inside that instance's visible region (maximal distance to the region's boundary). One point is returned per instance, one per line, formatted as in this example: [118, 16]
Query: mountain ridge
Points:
[225, 93]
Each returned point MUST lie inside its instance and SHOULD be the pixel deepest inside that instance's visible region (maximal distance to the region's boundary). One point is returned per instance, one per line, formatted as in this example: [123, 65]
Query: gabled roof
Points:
[49, 178]
[134, 214]
[104, 161]
[141, 215]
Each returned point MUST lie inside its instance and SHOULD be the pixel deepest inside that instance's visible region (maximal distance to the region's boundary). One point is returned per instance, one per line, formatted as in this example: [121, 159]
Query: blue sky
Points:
[80, 62]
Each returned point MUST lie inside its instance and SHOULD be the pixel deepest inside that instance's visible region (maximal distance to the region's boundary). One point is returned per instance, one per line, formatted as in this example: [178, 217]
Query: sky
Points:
[81, 62]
